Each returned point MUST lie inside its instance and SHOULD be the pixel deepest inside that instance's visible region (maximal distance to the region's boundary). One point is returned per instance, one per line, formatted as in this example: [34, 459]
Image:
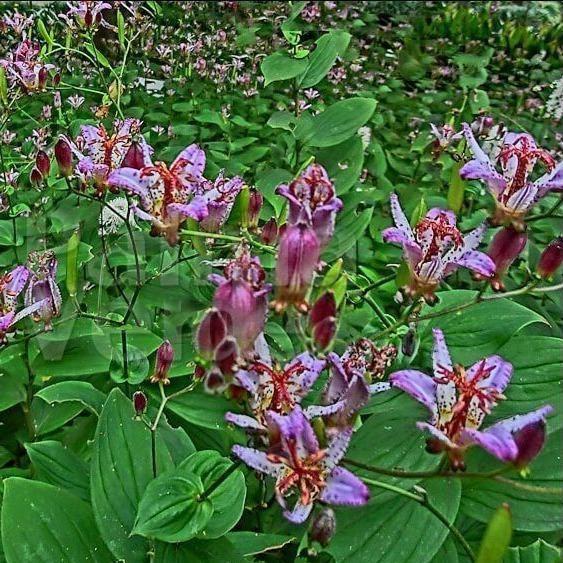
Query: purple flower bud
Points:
[42, 78]
[134, 157]
[505, 247]
[409, 343]
[140, 402]
[226, 356]
[63, 155]
[56, 81]
[164, 359]
[43, 163]
[211, 332]
[551, 258]
[269, 232]
[530, 441]
[298, 257]
[35, 177]
[324, 332]
[323, 527]
[322, 320]
[255, 202]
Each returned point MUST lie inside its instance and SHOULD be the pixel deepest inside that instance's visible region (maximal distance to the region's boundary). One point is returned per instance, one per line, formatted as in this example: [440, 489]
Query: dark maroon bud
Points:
[226, 356]
[35, 177]
[164, 359]
[43, 163]
[134, 157]
[324, 332]
[323, 527]
[269, 233]
[255, 203]
[42, 77]
[211, 332]
[140, 402]
[199, 372]
[63, 156]
[505, 247]
[551, 258]
[409, 343]
[530, 441]
[214, 381]
[324, 308]
[88, 19]
[56, 79]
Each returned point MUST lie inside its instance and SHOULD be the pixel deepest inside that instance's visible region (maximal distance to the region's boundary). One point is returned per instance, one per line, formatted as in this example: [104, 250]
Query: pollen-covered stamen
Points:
[442, 230]
[283, 398]
[307, 474]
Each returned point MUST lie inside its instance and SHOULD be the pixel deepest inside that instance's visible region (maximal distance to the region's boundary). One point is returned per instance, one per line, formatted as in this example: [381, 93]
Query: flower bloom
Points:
[220, 196]
[42, 287]
[167, 195]
[300, 466]
[514, 192]
[458, 401]
[435, 248]
[87, 13]
[100, 153]
[25, 69]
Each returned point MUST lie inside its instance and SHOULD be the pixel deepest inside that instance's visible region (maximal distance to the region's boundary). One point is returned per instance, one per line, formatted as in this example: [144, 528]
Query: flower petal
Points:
[257, 460]
[551, 181]
[130, 179]
[343, 487]
[401, 222]
[300, 513]
[196, 209]
[499, 376]
[243, 421]
[418, 385]
[497, 441]
[441, 359]
[438, 434]
[337, 447]
[478, 262]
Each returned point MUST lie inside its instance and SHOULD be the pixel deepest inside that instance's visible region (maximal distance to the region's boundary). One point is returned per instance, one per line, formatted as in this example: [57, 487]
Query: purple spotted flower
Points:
[302, 469]
[220, 196]
[349, 386]
[435, 248]
[459, 399]
[24, 68]
[167, 195]
[87, 13]
[514, 192]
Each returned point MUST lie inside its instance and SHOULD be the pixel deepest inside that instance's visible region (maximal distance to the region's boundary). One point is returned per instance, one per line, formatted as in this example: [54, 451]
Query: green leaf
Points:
[57, 465]
[137, 366]
[42, 523]
[392, 529]
[280, 66]
[329, 47]
[537, 552]
[349, 228]
[171, 510]
[227, 499]
[121, 469]
[497, 536]
[337, 123]
[252, 543]
[477, 331]
[281, 120]
[343, 162]
[74, 391]
[198, 551]
[97, 55]
[279, 340]
[456, 189]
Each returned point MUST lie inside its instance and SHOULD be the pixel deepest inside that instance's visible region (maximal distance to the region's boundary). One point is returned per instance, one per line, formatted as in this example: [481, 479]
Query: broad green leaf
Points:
[350, 227]
[252, 543]
[337, 123]
[42, 523]
[57, 465]
[537, 552]
[50, 416]
[395, 529]
[280, 341]
[13, 389]
[280, 66]
[497, 536]
[198, 551]
[329, 47]
[137, 366]
[171, 510]
[456, 190]
[343, 162]
[227, 499]
[73, 391]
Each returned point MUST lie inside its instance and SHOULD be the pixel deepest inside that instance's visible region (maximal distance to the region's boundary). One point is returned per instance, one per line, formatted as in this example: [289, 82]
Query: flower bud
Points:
[530, 441]
[42, 78]
[409, 343]
[269, 232]
[43, 163]
[140, 402]
[226, 356]
[164, 359]
[210, 333]
[63, 155]
[255, 202]
[298, 257]
[324, 332]
[35, 177]
[505, 247]
[56, 81]
[322, 320]
[134, 157]
[323, 527]
[551, 258]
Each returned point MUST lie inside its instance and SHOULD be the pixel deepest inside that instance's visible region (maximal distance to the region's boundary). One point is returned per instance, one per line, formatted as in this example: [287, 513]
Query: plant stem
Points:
[219, 481]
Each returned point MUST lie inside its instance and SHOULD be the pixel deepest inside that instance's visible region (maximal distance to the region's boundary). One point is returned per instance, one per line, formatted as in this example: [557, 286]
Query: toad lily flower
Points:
[514, 192]
[220, 196]
[168, 195]
[42, 287]
[271, 388]
[302, 468]
[99, 152]
[459, 399]
[87, 13]
[24, 69]
[435, 248]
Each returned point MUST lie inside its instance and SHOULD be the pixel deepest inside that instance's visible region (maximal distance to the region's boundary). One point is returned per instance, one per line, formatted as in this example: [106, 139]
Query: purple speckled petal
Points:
[338, 382]
[130, 179]
[380, 387]
[498, 378]
[313, 369]
[523, 199]
[477, 262]
[299, 514]
[189, 165]
[196, 209]
[418, 385]
[243, 421]
[440, 355]
[6, 321]
[399, 217]
[257, 460]
[247, 380]
[438, 434]
[315, 411]
[551, 181]
[413, 252]
[343, 487]
[516, 423]
[497, 441]
[437, 212]
[337, 447]
[18, 278]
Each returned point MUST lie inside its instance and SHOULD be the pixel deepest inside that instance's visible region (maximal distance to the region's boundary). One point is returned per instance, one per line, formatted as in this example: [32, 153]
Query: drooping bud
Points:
[269, 232]
[322, 319]
[42, 78]
[134, 157]
[210, 333]
[409, 343]
[323, 527]
[164, 359]
[226, 356]
[551, 258]
[35, 177]
[63, 155]
[530, 441]
[505, 247]
[298, 257]
[140, 402]
[255, 202]
[43, 163]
